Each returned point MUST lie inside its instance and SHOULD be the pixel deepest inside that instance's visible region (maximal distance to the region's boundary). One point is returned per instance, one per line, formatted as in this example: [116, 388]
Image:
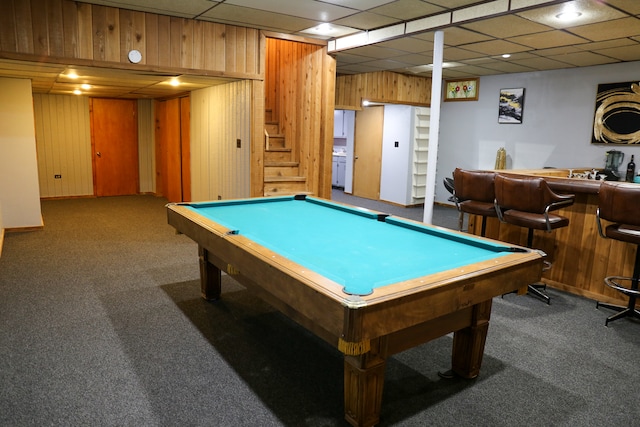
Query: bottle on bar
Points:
[631, 170]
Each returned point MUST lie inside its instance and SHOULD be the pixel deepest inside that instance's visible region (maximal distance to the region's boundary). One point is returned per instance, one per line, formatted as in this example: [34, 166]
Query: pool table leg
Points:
[468, 343]
[363, 383]
[210, 276]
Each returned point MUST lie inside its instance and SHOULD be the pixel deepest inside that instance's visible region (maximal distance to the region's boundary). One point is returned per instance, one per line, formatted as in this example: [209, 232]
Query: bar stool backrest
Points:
[526, 194]
[619, 202]
[474, 185]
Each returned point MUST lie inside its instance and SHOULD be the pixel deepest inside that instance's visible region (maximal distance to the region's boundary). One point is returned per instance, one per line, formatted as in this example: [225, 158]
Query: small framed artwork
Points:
[510, 106]
[461, 90]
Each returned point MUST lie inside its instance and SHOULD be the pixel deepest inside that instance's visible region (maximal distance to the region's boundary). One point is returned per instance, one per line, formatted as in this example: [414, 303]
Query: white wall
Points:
[19, 190]
[556, 128]
[395, 178]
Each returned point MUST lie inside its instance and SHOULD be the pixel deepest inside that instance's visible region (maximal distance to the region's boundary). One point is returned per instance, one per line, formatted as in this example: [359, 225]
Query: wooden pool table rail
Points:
[392, 319]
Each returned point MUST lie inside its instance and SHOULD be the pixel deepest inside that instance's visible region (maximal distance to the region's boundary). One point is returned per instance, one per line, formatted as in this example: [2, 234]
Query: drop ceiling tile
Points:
[376, 52]
[408, 44]
[548, 39]
[554, 51]
[495, 47]
[457, 54]
[308, 9]
[543, 64]
[472, 70]
[607, 44]
[357, 69]
[627, 53]
[407, 9]
[256, 18]
[366, 21]
[385, 64]
[359, 4]
[592, 11]
[455, 36]
[506, 26]
[508, 67]
[454, 4]
[630, 6]
[184, 9]
[350, 58]
[626, 27]
[584, 59]
[415, 59]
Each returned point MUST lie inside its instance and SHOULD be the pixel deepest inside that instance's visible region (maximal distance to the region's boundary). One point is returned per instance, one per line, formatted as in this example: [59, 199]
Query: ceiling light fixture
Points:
[85, 86]
[77, 92]
[506, 55]
[174, 82]
[568, 15]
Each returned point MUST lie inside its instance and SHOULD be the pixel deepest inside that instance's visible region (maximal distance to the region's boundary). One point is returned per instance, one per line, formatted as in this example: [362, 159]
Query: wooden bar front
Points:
[581, 258]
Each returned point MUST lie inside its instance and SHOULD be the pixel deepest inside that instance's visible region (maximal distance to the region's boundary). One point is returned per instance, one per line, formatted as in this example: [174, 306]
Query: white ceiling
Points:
[476, 35]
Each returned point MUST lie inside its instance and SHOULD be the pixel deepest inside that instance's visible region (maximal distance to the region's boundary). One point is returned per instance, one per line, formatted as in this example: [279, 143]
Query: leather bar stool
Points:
[473, 193]
[528, 202]
[619, 203]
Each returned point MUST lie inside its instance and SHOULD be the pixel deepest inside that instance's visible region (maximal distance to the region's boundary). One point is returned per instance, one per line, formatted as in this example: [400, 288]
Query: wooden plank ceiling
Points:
[394, 35]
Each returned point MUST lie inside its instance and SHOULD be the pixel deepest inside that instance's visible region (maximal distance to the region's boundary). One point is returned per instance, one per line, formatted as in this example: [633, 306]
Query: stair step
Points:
[274, 178]
[282, 164]
[272, 128]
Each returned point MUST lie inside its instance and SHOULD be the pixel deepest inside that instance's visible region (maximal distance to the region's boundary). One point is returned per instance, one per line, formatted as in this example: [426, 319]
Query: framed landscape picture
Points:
[461, 90]
[510, 105]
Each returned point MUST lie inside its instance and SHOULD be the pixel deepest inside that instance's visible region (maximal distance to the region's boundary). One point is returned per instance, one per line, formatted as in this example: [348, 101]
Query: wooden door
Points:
[114, 138]
[173, 170]
[367, 152]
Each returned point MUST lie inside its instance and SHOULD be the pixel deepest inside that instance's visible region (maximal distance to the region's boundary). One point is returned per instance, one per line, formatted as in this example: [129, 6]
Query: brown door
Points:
[114, 136]
[367, 152]
[172, 149]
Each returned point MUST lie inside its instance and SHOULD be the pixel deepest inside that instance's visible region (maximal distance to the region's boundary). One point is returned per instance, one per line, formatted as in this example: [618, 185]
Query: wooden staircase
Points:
[281, 171]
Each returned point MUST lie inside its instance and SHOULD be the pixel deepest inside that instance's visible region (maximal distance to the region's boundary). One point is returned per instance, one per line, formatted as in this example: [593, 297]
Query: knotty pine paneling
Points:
[220, 115]
[67, 31]
[382, 86]
[295, 93]
[146, 147]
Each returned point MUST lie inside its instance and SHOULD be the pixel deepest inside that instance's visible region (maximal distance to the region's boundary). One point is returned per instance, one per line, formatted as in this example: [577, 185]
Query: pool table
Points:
[368, 283]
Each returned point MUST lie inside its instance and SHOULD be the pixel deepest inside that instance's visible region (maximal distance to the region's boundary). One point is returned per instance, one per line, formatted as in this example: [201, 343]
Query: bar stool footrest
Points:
[632, 291]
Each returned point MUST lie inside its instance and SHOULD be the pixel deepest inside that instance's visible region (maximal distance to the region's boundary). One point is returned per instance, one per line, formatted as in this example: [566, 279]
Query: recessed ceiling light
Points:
[326, 29]
[174, 82]
[77, 92]
[568, 15]
[506, 55]
[85, 86]
[72, 75]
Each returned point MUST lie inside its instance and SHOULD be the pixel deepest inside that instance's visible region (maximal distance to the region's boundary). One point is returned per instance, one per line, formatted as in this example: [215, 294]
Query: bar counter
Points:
[581, 258]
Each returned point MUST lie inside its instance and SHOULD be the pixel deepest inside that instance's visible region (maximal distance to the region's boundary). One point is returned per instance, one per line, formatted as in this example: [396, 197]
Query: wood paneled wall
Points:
[64, 31]
[299, 88]
[220, 116]
[381, 86]
[63, 144]
[146, 148]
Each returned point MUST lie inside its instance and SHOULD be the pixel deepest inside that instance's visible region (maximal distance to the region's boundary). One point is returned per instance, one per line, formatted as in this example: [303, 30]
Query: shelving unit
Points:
[420, 138]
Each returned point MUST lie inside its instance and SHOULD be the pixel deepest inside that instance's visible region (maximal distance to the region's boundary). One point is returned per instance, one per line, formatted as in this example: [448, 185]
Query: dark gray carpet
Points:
[102, 325]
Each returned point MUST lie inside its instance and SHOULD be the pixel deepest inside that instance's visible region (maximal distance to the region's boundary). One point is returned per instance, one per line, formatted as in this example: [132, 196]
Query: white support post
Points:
[434, 127]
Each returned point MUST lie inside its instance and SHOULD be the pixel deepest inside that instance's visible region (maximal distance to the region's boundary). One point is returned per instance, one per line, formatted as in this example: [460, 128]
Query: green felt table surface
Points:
[349, 245]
